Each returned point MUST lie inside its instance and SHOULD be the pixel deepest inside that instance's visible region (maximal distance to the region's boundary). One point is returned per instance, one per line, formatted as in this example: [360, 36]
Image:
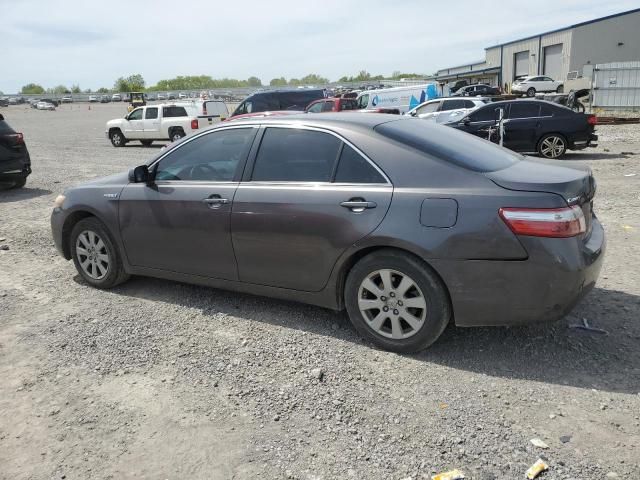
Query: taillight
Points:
[194, 124]
[592, 120]
[545, 222]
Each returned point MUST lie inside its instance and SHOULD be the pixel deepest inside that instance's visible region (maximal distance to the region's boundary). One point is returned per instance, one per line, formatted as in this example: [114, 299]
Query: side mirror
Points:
[140, 174]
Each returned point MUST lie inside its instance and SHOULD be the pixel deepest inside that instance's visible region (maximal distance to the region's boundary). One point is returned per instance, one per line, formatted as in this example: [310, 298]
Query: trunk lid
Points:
[574, 183]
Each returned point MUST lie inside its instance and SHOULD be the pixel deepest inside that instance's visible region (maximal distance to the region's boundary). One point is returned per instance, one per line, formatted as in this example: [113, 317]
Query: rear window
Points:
[5, 128]
[524, 110]
[173, 112]
[447, 144]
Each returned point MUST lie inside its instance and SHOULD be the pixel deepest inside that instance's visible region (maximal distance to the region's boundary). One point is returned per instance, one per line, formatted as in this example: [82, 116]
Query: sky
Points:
[65, 42]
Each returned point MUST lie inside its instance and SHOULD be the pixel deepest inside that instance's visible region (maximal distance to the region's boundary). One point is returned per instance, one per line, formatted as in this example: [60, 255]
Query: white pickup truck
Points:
[153, 122]
[165, 121]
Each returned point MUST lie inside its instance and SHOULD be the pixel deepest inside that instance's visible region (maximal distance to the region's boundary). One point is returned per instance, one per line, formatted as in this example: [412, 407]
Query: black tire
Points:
[434, 294]
[560, 89]
[115, 273]
[146, 143]
[117, 138]
[531, 92]
[176, 134]
[20, 182]
[555, 148]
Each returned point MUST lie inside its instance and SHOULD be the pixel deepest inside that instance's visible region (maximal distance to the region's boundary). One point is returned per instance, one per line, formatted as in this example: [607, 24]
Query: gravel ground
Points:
[156, 379]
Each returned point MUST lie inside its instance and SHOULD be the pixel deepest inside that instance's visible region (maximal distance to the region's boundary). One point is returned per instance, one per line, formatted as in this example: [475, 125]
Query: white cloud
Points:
[71, 41]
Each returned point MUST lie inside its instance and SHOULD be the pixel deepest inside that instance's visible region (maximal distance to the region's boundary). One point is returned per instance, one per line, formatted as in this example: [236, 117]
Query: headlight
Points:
[57, 203]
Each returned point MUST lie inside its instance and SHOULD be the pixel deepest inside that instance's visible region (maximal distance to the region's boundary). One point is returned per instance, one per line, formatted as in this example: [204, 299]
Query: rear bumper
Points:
[545, 287]
[17, 167]
[592, 141]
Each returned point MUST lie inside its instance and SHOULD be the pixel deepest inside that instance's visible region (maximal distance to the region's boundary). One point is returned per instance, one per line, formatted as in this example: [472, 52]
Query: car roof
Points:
[347, 120]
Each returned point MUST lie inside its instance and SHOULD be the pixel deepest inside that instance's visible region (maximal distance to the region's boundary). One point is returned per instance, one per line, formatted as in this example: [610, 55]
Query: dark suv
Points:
[297, 99]
[15, 163]
[532, 126]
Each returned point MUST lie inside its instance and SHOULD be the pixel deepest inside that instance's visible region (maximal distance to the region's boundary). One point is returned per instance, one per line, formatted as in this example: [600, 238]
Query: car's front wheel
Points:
[531, 92]
[95, 254]
[396, 301]
[117, 138]
[552, 145]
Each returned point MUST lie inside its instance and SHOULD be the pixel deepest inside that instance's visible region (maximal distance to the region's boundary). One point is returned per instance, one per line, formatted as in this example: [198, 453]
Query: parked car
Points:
[338, 104]
[171, 96]
[116, 97]
[209, 112]
[401, 99]
[151, 97]
[15, 162]
[53, 102]
[457, 85]
[386, 229]
[4, 102]
[537, 126]
[105, 99]
[67, 99]
[94, 98]
[273, 100]
[182, 95]
[157, 122]
[14, 101]
[446, 110]
[44, 105]
[533, 84]
[476, 90]
[162, 96]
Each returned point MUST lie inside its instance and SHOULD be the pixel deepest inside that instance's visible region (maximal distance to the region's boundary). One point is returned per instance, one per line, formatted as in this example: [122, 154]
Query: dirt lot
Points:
[156, 379]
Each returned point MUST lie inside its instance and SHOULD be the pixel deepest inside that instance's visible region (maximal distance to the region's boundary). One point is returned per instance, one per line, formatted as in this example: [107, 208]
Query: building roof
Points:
[608, 17]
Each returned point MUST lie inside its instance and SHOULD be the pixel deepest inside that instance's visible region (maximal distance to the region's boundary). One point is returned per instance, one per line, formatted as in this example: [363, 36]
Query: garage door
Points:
[521, 62]
[553, 61]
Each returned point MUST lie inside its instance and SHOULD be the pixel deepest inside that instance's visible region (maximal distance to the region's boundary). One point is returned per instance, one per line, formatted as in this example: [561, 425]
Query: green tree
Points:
[58, 90]
[103, 90]
[75, 89]
[294, 81]
[132, 83]
[32, 89]
[313, 78]
[278, 82]
[88, 90]
[254, 82]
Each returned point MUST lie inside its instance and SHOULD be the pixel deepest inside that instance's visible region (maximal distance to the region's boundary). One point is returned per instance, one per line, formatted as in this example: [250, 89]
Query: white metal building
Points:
[615, 38]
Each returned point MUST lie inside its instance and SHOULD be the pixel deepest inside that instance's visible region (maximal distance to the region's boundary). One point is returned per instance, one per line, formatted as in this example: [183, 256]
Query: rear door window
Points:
[452, 105]
[173, 111]
[348, 105]
[327, 106]
[151, 113]
[524, 110]
[354, 168]
[295, 155]
[428, 108]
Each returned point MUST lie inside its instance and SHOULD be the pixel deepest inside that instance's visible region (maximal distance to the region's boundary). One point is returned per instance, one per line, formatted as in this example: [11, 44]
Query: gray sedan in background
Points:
[406, 224]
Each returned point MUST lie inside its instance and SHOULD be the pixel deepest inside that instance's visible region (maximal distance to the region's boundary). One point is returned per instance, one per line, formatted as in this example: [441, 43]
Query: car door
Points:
[181, 222]
[550, 85]
[483, 122]
[521, 126]
[428, 111]
[151, 123]
[447, 108]
[306, 197]
[133, 126]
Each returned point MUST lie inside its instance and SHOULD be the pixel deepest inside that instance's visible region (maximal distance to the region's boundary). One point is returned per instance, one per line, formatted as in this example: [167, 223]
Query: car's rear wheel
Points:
[117, 138]
[396, 301]
[552, 145]
[176, 134]
[560, 89]
[95, 254]
[531, 92]
[20, 182]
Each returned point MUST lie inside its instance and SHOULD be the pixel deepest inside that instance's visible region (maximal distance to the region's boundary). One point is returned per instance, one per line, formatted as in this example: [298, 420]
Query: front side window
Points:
[295, 155]
[135, 115]
[428, 108]
[173, 111]
[316, 107]
[354, 168]
[214, 157]
[524, 110]
[151, 113]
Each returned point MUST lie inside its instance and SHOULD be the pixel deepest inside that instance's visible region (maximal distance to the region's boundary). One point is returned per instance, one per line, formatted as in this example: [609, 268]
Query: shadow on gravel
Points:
[593, 156]
[18, 194]
[550, 353]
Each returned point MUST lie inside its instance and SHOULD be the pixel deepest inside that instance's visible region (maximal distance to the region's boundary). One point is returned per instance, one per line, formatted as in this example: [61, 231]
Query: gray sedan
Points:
[406, 224]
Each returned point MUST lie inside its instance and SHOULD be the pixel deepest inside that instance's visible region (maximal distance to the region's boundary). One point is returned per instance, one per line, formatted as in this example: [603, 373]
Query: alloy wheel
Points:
[92, 255]
[392, 304]
[116, 139]
[552, 147]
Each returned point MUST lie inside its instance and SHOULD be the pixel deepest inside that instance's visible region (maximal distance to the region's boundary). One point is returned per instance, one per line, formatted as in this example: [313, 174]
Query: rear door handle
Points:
[358, 205]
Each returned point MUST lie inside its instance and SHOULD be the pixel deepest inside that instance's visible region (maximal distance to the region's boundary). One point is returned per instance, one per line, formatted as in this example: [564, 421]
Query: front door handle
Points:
[215, 201]
[358, 205]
